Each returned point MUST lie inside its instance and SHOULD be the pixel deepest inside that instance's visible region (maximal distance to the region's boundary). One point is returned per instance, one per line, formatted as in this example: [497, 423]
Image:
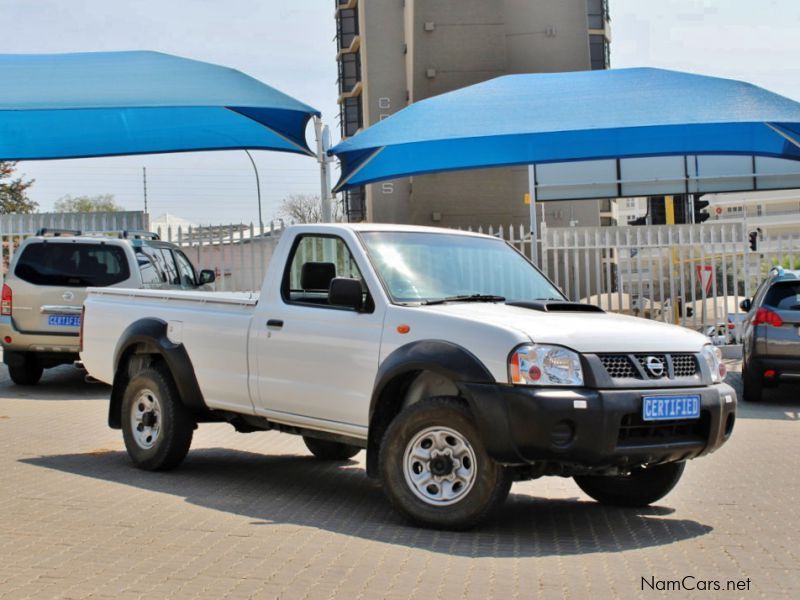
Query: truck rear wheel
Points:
[435, 470]
[643, 486]
[328, 450]
[156, 426]
[29, 372]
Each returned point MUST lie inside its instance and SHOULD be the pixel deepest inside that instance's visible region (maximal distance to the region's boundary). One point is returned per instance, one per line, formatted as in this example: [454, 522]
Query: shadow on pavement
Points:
[340, 498]
[61, 383]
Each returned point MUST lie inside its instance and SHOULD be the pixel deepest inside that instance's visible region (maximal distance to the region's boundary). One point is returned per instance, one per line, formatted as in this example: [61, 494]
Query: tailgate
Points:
[46, 309]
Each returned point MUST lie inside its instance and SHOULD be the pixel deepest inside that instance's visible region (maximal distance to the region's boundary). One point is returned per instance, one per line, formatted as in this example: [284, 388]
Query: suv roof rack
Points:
[50, 231]
[140, 235]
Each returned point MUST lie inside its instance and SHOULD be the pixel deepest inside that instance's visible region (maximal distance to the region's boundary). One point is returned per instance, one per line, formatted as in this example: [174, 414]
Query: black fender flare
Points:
[153, 333]
[438, 356]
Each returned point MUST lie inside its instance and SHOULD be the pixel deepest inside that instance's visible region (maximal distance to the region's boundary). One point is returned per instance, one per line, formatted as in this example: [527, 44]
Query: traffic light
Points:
[699, 205]
[753, 235]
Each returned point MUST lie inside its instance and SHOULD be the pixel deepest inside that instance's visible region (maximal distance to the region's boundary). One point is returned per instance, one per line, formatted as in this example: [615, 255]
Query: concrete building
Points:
[394, 52]
[775, 213]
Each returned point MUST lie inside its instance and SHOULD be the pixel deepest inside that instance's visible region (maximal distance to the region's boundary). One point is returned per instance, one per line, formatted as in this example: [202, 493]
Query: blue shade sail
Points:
[115, 103]
[579, 116]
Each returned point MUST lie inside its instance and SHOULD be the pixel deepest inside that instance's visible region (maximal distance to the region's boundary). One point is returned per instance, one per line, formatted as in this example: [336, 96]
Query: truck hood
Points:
[584, 332]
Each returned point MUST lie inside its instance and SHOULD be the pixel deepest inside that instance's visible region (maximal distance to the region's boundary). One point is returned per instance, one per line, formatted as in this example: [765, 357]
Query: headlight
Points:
[713, 358]
[544, 365]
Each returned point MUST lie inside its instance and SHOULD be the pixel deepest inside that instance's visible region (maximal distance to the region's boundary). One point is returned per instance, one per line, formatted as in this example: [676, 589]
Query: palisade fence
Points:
[238, 253]
[692, 275]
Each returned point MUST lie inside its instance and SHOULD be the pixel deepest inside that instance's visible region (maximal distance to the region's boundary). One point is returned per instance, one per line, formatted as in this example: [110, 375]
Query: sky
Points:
[290, 46]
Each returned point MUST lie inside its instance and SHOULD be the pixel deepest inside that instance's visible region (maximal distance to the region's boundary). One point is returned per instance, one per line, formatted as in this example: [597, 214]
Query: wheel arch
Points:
[145, 342]
[395, 383]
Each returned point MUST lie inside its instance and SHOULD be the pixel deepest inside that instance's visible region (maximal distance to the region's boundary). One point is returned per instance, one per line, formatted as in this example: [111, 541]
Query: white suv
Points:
[44, 290]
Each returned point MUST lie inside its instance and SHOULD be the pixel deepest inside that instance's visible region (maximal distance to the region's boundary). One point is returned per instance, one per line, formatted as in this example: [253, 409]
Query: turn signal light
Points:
[765, 316]
[5, 304]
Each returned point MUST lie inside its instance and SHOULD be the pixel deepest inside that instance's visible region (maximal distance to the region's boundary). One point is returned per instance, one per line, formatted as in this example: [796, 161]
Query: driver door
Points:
[318, 361]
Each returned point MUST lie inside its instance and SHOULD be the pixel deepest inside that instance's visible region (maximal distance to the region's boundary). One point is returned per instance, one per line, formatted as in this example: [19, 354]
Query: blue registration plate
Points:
[663, 408]
[64, 320]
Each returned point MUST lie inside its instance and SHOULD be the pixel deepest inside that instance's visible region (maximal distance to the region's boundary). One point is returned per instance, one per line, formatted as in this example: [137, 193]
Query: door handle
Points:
[275, 323]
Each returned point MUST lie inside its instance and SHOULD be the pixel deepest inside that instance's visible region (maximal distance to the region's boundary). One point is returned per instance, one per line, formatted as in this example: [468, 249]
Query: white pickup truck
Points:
[446, 355]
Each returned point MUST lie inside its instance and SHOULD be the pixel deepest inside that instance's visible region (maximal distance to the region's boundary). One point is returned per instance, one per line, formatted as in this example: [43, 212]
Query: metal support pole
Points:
[258, 191]
[533, 225]
[323, 143]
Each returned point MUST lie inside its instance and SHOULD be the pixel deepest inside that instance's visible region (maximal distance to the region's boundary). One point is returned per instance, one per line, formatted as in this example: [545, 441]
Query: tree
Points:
[13, 193]
[87, 204]
[305, 208]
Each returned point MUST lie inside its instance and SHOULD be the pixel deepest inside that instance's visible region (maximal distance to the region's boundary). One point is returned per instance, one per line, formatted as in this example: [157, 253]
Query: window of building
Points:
[349, 71]
[599, 51]
[346, 27]
[351, 116]
[630, 202]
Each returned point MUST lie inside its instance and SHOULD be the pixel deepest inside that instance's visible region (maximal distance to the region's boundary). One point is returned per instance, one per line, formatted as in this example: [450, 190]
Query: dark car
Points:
[771, 342]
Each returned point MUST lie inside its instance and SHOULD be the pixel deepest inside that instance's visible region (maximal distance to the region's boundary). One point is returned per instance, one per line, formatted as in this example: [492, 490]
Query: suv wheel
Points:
[27, 373]
[752, 386]
[328, 450]
[643, 486]
[435, 470]
[156, 426]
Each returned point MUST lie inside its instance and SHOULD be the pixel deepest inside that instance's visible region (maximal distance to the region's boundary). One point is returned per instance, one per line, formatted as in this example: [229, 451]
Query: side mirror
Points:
[746, 304]
[207, 276]
[346, 292]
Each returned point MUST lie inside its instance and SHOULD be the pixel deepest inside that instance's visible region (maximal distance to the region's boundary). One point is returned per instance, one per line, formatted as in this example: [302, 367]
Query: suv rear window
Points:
[72, 265]
[784, 295]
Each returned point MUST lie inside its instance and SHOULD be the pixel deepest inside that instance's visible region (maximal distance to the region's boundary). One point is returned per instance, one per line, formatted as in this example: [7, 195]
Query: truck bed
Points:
[213, 326]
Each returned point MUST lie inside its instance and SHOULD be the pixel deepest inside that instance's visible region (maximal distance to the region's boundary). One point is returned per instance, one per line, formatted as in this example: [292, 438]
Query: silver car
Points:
[771, 341]
[44, 290]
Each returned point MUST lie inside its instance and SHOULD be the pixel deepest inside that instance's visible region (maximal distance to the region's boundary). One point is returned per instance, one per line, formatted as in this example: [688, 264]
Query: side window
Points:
[158, 277]
[315, 261]
[169, 266]
[185, 270]
[150, 274]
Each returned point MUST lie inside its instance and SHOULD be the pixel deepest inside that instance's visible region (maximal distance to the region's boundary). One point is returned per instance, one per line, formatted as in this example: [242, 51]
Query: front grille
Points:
[634, 366]
[684, 365]
[619, 366]
[635, 431]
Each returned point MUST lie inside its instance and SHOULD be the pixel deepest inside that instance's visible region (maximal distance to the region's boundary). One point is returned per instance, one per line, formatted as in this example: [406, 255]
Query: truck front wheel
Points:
[434, 468]
[156, 426]
[642, 486]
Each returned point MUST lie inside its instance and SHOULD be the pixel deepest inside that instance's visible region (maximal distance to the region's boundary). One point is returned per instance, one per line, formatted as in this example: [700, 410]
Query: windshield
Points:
[424, 267]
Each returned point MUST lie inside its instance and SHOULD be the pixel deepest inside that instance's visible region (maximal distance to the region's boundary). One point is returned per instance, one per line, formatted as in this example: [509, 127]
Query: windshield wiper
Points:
[465, 298]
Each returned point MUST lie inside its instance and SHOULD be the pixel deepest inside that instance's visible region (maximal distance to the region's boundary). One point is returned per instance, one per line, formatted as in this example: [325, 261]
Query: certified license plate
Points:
[663, 408]
[64, 320]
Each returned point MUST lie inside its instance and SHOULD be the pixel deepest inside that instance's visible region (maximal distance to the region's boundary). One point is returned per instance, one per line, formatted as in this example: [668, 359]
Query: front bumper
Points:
[595, 429]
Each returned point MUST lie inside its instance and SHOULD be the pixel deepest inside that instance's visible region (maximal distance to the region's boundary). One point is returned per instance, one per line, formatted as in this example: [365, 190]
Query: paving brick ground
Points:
[254, 516]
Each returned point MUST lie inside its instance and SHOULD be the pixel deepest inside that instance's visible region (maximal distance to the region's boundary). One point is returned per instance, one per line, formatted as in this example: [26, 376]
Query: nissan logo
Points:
[68, 296]
[655, 366]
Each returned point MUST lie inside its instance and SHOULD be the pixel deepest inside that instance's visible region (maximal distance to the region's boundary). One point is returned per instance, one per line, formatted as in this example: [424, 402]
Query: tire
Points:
[469, 485]
[642, 487]
[28, 373]
[328, 450]
[752, 386]
[170, 425]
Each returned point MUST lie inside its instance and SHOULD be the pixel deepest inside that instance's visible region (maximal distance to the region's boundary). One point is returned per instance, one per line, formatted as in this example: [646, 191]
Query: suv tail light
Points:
[765, 316]
[80, 336]
[5, 305]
